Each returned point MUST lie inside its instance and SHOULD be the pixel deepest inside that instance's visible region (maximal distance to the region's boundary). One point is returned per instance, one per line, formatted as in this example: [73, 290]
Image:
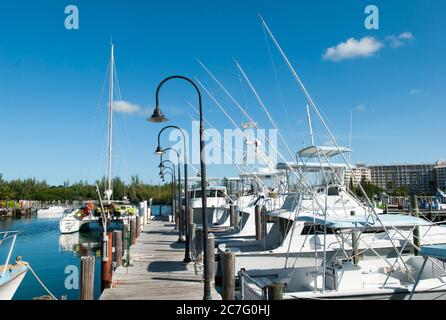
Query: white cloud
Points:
[127, 107]
[353, 48]
[361, 108]
[416, 92]
[400, 40]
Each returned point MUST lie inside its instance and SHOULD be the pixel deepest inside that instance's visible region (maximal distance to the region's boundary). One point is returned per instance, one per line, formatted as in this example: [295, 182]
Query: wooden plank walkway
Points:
[158, 271]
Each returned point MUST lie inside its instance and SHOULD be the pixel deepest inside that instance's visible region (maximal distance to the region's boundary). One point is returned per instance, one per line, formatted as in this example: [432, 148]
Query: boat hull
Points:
[405, 295]
[50, 213]
[68, 226]
[214, 215]
[9, 287]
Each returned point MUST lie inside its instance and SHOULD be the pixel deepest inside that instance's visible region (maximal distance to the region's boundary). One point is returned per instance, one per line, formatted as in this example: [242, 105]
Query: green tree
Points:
[6, 193]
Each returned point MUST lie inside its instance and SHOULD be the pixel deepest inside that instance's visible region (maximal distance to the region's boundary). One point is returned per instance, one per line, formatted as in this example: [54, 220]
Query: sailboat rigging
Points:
[108, 189]
[73, 219]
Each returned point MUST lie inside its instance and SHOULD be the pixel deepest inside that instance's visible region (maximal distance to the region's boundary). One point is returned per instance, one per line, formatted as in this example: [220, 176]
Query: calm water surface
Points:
[49, 253]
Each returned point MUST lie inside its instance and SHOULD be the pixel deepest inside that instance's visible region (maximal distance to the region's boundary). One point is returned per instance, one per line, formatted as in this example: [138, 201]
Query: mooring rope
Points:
[40, 281]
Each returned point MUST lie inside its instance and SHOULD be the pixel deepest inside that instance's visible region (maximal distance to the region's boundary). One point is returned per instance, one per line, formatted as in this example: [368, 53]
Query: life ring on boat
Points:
[90, 206]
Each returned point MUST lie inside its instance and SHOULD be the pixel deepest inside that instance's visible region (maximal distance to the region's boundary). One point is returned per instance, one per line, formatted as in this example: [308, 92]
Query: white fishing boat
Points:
[267, 189]
[53, 212]
[290, 236]
[11, 275]
[217, 204]
[342, 276]
[284, 237]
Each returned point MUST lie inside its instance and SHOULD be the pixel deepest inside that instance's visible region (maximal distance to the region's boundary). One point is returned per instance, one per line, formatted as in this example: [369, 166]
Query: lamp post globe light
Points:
[158, 117]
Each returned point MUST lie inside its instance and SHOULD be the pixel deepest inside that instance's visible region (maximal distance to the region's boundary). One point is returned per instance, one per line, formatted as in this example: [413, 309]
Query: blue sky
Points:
[53, 107]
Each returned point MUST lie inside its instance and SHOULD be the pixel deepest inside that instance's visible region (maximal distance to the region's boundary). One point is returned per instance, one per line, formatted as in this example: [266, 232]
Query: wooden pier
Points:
[16, 212]
[157, 271]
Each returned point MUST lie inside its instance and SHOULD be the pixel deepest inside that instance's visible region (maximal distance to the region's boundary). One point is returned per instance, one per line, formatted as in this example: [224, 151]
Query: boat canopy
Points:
[310, 166]
[441, 194]
[209, 188]
[282, 213]
[435, 251]
[263, 174]
[327, 151]
[359, 222]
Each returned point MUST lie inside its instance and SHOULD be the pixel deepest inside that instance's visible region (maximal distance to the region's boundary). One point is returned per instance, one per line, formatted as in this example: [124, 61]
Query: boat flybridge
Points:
[441, 199]
[293, 240]
[267, 190]
[290, 237]
[11, 275]
[217, 204]
[344, 274]
[326, 195]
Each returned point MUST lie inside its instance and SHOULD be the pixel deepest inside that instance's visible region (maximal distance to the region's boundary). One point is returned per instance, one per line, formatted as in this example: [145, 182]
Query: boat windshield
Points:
[68, 212]
[210, 193]
[221, 194]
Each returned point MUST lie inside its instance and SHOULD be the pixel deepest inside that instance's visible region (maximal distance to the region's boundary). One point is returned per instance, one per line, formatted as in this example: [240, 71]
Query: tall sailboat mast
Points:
[109, 190]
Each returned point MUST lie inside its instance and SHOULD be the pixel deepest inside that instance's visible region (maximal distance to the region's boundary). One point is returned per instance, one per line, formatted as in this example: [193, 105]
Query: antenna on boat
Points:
[108, 188]
[373, 212]
[310, 126]
[350, 137]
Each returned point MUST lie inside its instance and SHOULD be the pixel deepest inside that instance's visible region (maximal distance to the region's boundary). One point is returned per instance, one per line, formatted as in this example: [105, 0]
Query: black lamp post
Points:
[177, 195]
[159, 150]
[172, 173]
[180, 218]
[159, 117]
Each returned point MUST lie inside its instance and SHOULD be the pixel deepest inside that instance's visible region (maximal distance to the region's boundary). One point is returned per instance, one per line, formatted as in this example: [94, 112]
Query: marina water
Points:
[54, 256]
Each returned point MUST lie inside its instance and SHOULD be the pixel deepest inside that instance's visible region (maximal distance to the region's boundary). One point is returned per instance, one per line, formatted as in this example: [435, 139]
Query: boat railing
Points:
[250, 289]
[6, 235]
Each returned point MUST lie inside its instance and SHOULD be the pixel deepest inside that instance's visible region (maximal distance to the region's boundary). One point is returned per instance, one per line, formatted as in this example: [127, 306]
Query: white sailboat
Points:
[73, 220]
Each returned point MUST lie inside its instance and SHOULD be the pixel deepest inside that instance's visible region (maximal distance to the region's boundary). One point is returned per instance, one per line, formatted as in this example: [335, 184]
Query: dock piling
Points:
[133, 231]
[138, 226]
[106, 263]
[236, 219]
[211, 257]
[198, 245]
[416, 232]
[87, 278]
[228, 276]
[192, 231]
[117, 246]
[258, 222]
[354, 243]
[275, 291]
[231, 215]
[125, 231]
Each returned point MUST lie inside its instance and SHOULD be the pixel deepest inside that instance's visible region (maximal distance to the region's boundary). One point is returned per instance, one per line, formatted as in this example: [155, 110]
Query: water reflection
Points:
[81, 243]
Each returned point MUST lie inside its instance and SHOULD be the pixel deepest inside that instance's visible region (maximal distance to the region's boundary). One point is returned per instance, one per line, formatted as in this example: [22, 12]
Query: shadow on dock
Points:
[178, 279]
[166, 266]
